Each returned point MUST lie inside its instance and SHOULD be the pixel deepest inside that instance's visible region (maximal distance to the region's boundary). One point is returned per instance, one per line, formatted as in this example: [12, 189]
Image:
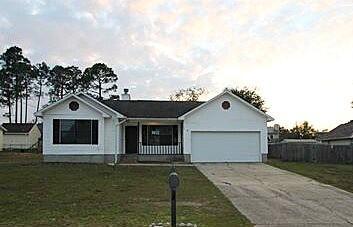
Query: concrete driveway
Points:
[273, 197]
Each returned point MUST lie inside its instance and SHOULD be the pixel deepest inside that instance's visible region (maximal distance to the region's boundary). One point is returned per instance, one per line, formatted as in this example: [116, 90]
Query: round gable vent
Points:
[74, 106]
[225, 105]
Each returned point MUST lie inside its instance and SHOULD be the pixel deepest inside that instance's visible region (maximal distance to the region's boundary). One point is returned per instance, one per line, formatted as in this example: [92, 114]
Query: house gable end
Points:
[217, 115]
[233, 97]
[84, 109]
[100, 105]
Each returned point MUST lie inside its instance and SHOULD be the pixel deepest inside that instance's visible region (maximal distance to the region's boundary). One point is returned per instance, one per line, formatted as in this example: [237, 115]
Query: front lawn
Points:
[338, 175]
[39, 194]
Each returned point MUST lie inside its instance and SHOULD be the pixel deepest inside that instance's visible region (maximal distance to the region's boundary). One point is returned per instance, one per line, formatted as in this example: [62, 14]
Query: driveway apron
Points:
[269, 196]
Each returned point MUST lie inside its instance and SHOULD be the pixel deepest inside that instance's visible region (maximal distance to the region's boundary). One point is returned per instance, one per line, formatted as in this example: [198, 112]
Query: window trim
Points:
[59, 143]
[146, 142]
[74, 106]
[225, 105]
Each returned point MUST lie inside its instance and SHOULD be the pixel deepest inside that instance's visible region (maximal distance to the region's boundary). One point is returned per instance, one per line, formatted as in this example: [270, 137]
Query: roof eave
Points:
[16, 133]
[336, 138]
[3, 129]
[153, 118]
[269, 118]
[40, 112]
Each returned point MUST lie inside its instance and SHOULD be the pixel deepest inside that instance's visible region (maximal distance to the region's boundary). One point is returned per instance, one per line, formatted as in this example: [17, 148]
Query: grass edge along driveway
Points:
[338, 175]
[39, 194]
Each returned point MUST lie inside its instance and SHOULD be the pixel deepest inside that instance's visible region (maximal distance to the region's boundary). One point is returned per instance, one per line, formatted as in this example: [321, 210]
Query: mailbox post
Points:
[173, 184]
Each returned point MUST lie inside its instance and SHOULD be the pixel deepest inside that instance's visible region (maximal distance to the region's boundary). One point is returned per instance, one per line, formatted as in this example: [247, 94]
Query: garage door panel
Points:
[225, 146]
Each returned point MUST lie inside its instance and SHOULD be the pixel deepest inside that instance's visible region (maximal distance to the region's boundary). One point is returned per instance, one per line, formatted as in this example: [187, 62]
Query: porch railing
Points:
[160, 149]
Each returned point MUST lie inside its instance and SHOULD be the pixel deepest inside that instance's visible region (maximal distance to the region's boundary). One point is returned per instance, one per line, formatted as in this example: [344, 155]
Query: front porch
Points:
[153, 140]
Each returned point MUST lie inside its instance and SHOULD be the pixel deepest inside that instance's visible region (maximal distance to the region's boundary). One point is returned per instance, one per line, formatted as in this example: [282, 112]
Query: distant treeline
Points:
[20, 80]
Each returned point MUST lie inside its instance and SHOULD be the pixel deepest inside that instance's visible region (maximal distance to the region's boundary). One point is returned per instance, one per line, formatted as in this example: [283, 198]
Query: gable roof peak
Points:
[227, 91]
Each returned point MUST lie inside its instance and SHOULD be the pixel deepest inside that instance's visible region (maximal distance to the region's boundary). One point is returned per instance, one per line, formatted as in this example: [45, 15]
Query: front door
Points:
[131, 139]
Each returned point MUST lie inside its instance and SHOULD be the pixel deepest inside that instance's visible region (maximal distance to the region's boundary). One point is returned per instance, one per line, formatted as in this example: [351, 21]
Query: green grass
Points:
[39, 194]
[338, 175]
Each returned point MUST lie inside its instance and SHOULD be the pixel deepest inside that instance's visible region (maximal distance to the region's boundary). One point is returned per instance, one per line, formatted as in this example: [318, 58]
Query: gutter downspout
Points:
[116, 148]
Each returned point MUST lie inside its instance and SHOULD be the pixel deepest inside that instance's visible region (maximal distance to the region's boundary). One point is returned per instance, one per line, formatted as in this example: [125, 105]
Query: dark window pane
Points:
[165, 140]
[83, 131]
[94, 131]
[144, 134]
[68, 131]
[56, 131]
[161, 135]
[175, 135]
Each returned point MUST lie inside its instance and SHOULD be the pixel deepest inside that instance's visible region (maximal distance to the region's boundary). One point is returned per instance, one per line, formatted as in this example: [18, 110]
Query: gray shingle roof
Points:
[18, 127]
[342, 131]
[150, 108]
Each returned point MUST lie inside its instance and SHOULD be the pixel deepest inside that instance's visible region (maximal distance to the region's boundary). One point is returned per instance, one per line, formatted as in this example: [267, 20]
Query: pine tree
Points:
[40, 75]
[15, 68]
[6, 92]
[76, 81]
[101, 78]
[57, 81]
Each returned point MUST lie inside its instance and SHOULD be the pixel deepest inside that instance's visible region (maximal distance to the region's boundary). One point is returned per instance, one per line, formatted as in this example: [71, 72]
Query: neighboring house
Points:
[273, 134]
[79, 128]
[2, 130]
[341, 135]
[20, 135]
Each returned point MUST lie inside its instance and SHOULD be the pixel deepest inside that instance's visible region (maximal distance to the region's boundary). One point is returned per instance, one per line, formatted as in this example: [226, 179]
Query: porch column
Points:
[180, 129]
[139, 144]
[140, 132]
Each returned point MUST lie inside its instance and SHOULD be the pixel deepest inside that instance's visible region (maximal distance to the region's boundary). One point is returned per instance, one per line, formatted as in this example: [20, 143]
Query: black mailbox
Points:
[173, 185]
[173, 181]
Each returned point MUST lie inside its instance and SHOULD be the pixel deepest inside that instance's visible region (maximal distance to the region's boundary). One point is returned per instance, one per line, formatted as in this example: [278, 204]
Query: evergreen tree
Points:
[6, 92]
[76, 83]
[101, 78]
[15, 69]
[41, 73]
[189, 94]
[250, 96]
[56, 82]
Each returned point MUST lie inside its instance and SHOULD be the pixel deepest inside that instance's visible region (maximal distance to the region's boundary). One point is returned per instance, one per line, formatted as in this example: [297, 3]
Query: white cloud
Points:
[282, 47]
[5, 23]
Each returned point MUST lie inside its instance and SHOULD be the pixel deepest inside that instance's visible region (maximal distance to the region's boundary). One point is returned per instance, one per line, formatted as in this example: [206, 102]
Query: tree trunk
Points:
[16, 99]
[26, 109]
[21, 112]
[16, 108]
[39, 97]
[9, 106]
[26, 104]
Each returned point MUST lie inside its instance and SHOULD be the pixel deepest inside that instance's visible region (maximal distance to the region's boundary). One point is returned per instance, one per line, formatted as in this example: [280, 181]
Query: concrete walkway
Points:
[273, 197]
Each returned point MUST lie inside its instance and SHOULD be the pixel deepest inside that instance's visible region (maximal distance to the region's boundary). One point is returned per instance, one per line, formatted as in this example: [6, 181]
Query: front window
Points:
[159, 135]
[67, 131]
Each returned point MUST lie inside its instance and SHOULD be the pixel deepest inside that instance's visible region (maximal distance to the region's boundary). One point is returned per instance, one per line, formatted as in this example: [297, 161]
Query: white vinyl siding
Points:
[213, 118]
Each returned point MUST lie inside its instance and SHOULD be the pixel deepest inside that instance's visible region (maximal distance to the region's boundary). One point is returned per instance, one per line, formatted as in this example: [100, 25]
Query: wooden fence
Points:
[311, 152]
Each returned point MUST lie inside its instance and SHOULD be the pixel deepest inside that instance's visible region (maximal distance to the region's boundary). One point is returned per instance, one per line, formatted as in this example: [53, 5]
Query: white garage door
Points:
[225, 146]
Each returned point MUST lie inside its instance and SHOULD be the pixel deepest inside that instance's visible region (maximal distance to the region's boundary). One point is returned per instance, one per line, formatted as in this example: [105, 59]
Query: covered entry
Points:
[131, 139]
[218, 146]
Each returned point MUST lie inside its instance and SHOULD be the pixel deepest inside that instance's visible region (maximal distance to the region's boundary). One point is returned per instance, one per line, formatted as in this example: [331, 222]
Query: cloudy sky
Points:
[298, 54]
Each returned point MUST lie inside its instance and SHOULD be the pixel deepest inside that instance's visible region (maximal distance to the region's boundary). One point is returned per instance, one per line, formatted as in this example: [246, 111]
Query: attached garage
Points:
[225, 146]
[225, 129]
